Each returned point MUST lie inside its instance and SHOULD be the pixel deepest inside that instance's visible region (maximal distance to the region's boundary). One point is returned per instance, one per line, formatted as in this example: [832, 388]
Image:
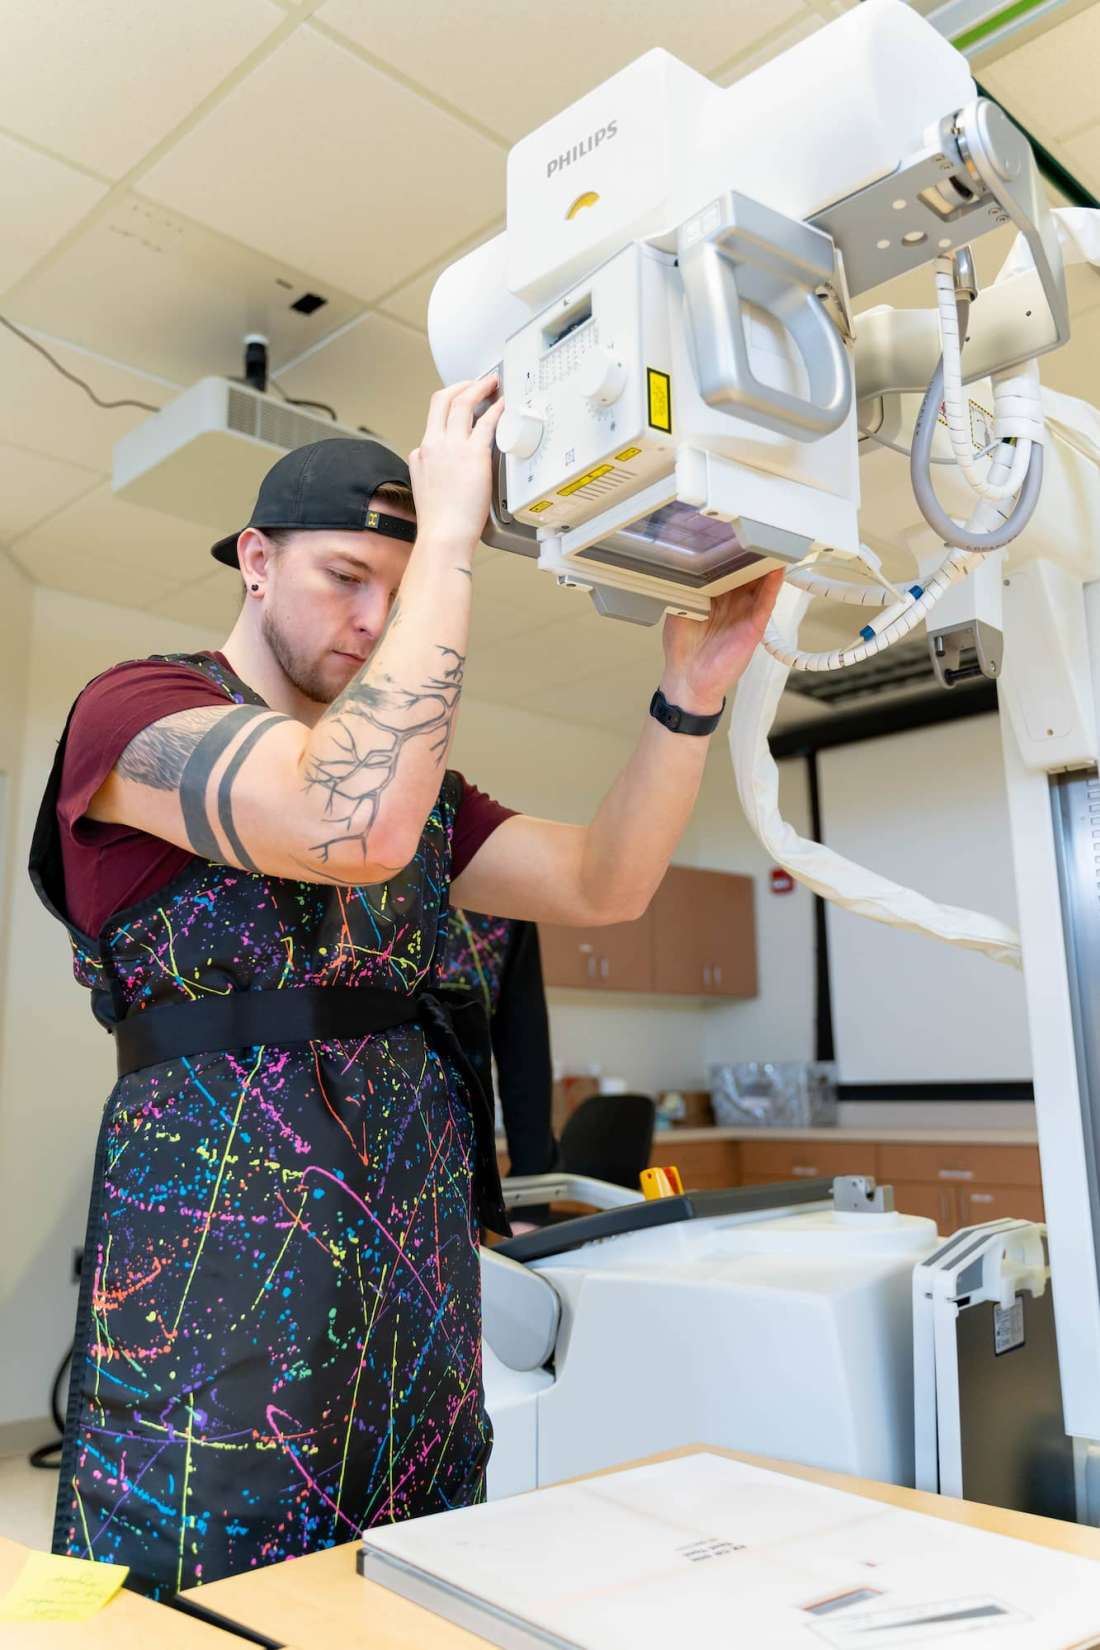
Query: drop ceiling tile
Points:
[1082, 156]
[377, 373]
[102, 81]
[364, 183]
[83, 572]
[524, 586]
[143, 284]
[602, 699]
[1050, 83]
[129, 541]
[492, 622]
[41, 199]
[33, 487]
[511, 67]
[213, 602]
[44, 412]
[793, 25]
[410, 303]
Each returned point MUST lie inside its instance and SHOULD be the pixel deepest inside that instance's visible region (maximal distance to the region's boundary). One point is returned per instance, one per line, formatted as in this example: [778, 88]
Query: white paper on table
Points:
[701, 1550]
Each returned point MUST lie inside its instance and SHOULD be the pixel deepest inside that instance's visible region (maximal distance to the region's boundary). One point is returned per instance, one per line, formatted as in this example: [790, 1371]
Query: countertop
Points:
[898, 1136]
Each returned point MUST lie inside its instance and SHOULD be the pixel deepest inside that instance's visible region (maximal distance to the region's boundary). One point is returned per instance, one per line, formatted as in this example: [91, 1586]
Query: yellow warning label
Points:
[582, 481]
[660, 400]
[543, 504]
[627, 452]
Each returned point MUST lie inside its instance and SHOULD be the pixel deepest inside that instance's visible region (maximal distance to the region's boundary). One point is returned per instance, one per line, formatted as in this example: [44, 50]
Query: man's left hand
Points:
[705, 658]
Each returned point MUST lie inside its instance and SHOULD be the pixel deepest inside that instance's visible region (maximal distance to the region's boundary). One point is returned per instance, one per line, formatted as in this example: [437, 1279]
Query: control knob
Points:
[601, 377]
[519, 432]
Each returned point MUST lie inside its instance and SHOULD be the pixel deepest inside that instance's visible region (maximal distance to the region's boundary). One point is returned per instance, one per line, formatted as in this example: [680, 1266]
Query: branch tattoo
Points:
[368, 727]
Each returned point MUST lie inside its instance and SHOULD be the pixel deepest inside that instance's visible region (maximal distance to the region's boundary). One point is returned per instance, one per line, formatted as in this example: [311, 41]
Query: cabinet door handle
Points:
[956, 1174]
[706, 976]
[718, 973]
[591, 967]
[605, 968]
[804, 1171]
[981, 1197]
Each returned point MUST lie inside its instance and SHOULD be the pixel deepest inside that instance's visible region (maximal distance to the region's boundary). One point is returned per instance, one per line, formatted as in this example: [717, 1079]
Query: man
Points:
[278, 1331]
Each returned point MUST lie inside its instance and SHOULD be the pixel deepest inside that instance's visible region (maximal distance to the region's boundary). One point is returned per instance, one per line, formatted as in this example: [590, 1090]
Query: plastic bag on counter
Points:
[775, 1094]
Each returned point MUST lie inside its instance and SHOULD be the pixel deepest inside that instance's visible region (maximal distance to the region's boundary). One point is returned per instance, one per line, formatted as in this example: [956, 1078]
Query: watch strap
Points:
[677, 720]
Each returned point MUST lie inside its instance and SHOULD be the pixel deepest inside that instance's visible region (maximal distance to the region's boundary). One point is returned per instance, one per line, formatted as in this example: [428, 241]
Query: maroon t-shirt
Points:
[109, 867]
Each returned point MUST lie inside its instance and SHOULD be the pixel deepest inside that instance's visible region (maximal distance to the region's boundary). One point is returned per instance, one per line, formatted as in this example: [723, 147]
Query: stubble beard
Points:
[303, 674]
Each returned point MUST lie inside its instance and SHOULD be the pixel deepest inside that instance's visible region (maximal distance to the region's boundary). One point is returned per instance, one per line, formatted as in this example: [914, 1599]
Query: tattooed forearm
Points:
[367, 729]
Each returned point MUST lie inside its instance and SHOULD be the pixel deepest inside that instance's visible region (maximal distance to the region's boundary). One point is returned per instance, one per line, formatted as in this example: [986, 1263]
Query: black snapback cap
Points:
[327, 484]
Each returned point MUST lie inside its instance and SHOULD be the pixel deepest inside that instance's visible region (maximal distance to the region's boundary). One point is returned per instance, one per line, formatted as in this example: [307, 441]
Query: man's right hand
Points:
[452, 467]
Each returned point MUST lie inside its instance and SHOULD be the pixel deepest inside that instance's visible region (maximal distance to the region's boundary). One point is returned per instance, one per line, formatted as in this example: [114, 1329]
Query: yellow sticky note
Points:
[51, 1587]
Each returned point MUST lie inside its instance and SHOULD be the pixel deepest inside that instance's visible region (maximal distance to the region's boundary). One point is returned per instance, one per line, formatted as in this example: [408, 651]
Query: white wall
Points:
[15, 634]
[929, 809]
[561, 770]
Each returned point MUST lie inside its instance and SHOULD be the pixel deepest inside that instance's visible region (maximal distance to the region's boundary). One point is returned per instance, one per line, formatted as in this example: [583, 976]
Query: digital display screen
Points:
[678, 543]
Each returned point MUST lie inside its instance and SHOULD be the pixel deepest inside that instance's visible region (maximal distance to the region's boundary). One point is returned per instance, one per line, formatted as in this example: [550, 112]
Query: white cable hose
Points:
[840, 590]
[902, 619]
[956, 405]
[895, 624]
[821, 869]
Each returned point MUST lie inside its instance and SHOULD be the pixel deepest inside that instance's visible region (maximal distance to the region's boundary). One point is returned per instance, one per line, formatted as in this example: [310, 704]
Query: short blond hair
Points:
[395, 492]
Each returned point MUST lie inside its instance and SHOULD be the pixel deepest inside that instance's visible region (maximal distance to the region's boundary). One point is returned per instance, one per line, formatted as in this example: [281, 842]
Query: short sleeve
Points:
[477, 818]
[111, 711]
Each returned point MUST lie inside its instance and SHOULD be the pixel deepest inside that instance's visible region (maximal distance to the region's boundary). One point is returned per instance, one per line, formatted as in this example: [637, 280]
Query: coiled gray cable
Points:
[920, 461]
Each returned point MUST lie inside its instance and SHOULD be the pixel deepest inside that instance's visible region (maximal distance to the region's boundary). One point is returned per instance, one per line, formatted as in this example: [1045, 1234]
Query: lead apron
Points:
[278, 1338]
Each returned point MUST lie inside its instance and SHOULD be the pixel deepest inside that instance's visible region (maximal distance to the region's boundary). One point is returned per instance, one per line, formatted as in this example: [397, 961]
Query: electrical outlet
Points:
[78, 1261]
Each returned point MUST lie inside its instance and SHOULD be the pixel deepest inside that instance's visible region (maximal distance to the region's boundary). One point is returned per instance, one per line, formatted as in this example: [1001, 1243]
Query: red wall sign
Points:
[782, 881]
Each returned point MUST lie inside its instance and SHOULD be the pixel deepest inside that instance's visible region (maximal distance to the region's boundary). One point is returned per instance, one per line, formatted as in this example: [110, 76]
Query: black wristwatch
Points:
[682, 721]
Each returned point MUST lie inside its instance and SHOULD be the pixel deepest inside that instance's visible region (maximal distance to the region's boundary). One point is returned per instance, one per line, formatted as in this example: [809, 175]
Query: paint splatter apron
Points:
[278, 1339]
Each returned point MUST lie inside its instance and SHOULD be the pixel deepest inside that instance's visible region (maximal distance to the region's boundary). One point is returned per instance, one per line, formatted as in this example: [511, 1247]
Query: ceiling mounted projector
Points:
[204, 455]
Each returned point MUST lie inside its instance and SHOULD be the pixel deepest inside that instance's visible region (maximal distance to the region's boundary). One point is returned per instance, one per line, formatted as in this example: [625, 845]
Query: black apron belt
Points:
[303, 1014]
[244, 1019]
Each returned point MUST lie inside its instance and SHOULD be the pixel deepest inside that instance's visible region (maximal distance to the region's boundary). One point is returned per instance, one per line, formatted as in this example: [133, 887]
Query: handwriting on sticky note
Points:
[50, 1587]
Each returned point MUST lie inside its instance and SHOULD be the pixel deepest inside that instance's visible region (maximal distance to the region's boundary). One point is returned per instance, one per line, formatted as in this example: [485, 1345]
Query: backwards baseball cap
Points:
[327, 484]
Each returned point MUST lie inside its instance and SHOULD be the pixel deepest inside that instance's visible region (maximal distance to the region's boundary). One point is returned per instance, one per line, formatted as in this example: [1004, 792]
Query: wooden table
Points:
[128, 1622]
[321, 1603]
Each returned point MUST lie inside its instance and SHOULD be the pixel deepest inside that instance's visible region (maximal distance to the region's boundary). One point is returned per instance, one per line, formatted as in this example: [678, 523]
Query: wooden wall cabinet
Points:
[698, 939]
[616, 958]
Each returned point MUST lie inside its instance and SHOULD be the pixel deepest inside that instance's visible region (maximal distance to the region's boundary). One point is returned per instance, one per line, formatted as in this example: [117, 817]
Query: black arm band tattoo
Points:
[225, 791]
[196, 776]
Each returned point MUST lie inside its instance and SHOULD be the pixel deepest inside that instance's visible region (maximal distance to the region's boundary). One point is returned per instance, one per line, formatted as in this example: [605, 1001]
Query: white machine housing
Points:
[675, 354]
[787, 1332]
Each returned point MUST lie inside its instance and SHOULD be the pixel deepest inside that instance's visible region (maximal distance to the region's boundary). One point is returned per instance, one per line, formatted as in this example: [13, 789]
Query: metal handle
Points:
[803, 1171]
[735, 252]
[591, 968]
[718, 973]
[605, 968]
[706, 976]
[981, 1197]
[956, 1174]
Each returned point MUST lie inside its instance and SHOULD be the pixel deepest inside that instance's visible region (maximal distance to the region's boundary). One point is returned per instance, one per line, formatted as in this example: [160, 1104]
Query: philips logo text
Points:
[603, 135]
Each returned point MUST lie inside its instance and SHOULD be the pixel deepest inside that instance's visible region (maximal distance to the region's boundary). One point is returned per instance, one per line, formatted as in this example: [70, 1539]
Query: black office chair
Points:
[609, 1137]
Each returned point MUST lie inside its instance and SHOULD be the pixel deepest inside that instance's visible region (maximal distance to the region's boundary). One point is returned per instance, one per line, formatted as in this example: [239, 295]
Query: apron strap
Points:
[244, 1019]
